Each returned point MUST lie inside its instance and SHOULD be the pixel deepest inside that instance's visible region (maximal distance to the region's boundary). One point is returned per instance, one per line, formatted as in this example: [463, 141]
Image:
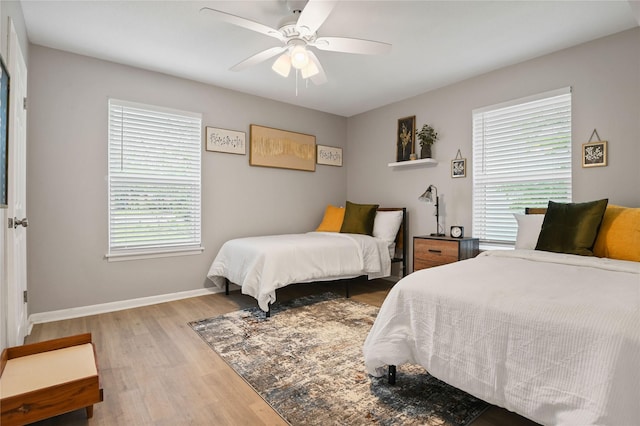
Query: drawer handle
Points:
[435, 251]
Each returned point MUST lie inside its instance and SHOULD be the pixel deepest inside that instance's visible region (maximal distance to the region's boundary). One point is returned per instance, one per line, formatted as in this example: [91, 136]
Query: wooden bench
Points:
[46, 379]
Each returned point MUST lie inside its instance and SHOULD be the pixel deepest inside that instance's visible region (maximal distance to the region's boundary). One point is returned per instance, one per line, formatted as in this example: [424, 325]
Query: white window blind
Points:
[521, 158]
[154, 179]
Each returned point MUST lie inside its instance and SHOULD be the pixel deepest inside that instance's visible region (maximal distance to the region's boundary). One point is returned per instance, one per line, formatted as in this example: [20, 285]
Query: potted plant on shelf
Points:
[427, 137]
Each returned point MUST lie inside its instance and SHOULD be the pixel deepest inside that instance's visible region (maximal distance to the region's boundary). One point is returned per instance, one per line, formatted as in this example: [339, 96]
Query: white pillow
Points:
[529, 226]
[386, 225]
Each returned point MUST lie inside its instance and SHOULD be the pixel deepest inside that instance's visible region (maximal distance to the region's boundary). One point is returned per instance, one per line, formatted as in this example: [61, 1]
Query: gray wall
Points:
[605, 77]
[67, 186]
[67, 150]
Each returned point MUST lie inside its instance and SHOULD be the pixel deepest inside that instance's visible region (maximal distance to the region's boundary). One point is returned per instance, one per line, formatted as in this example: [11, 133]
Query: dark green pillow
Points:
[571, 227]
[359, 218]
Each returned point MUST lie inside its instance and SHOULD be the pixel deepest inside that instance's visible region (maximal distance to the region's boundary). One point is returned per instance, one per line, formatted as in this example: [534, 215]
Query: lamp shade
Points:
[282, 65]
[299, 57]
[310, 70]
[427, 196]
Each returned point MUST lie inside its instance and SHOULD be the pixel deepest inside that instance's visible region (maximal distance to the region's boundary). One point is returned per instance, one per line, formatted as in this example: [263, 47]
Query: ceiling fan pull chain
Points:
[296, 83]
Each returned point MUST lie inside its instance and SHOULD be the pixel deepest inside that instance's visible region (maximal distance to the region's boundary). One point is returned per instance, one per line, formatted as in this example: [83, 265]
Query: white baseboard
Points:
[83, 311]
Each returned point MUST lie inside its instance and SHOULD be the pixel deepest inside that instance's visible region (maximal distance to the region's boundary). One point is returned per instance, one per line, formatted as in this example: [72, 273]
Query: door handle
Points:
[17, 222]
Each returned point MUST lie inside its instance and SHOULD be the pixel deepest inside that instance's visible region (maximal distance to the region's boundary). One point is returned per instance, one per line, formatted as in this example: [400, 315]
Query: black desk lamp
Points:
[427, 197]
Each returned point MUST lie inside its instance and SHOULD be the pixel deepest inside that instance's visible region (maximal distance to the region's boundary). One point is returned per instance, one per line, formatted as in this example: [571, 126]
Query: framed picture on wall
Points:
[594, 154]
[283, 149]
[406, 137]
[329, 155]
[223, 140]
[459, 168]
[4, 134]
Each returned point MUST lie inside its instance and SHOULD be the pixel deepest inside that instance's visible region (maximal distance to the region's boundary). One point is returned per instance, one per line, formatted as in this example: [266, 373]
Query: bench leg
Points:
[226, 286]
[89, 411]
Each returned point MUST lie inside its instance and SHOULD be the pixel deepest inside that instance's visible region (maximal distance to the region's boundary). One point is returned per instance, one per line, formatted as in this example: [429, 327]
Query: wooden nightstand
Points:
[434, 251]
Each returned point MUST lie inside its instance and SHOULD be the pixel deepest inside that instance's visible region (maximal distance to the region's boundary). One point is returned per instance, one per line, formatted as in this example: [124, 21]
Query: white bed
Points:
[554, 337]
[261, 265]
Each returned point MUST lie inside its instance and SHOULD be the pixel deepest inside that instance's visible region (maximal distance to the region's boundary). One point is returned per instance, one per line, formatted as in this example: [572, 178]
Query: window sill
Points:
[119, 257]
[495, 246]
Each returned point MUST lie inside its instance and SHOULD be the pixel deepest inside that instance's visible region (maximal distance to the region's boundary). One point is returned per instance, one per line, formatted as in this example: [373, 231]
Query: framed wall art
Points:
[223, 140]
[459, 166]
[594, 154]
[283, 149]
[329, 155]
[4, 134]
[406, 137]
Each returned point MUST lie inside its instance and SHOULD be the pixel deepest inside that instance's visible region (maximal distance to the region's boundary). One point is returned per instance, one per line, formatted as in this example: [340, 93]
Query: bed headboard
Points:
[535, 210]
[401, 238]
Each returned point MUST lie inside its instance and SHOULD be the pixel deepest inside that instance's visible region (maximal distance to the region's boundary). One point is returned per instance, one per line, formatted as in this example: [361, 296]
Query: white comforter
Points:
[260, 265]
[551, 336]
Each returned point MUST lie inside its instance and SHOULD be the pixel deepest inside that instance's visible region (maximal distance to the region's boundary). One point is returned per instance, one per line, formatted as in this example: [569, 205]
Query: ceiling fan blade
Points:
[351, 45]
[314, 14]
[321, 77]
[242, 22]
[258, 57]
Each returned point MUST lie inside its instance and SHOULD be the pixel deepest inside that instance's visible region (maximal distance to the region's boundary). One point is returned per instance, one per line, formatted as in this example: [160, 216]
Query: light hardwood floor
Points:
[156, 371]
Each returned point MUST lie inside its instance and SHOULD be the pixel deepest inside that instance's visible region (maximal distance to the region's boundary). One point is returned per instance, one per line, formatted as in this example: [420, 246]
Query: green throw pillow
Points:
[359, 218]
[571, 227]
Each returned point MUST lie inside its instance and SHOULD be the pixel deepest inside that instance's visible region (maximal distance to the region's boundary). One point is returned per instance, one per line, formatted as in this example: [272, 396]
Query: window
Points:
[154, 180]
[521, 158]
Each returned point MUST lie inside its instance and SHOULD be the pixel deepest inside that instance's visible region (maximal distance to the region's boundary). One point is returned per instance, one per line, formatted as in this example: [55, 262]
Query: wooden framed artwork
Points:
[406, 137]
[223, 140]
[594, 154]
[283, 149]
[459, 168]
[4, 134]
[329, 155]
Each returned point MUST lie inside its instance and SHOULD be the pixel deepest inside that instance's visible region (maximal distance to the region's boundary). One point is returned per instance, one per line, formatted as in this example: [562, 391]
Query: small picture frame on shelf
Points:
[406, 137]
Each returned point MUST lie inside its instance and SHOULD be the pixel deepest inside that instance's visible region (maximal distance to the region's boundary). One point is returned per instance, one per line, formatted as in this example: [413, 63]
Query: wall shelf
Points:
[410, 163]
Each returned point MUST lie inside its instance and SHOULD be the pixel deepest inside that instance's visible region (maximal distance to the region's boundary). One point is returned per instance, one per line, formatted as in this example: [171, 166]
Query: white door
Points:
[16, 248]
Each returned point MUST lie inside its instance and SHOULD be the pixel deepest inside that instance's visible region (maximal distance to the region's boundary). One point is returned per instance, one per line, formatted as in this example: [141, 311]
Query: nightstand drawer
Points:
[436, 251]
[424, 264]
[430, 251]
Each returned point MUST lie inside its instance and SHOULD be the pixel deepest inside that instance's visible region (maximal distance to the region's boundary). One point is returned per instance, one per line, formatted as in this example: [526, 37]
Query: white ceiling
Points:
[435, 43]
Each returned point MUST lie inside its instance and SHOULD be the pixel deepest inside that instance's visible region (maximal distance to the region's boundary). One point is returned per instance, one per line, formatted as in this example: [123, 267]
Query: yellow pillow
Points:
[332, 221]
[619, 236]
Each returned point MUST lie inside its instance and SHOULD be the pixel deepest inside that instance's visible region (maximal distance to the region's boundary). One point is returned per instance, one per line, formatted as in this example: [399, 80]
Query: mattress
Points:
[261, 265]
[553, 337]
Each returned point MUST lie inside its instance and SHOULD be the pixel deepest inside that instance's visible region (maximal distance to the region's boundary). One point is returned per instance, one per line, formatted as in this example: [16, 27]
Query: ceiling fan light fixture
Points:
[310, 70]
[299, 57]
[282, 65]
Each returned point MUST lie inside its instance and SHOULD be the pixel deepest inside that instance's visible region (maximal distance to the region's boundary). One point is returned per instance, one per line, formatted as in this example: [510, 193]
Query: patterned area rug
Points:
[306, 361]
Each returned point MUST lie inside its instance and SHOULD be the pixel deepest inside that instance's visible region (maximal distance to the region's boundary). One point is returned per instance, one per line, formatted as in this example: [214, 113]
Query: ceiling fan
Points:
[297, 32]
